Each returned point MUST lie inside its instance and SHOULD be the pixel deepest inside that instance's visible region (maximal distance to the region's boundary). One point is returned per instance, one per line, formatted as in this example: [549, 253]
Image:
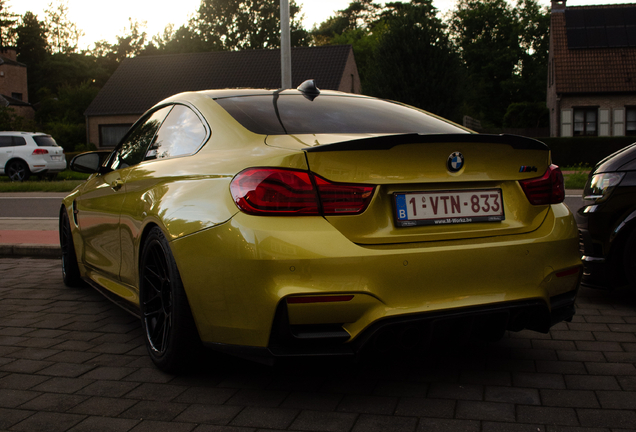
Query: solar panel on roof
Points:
[631, 35]
[577, 38]
[601, 28]
[574, 18]
[593, 18]
[614, 17]
[617, 37]
[596, 37]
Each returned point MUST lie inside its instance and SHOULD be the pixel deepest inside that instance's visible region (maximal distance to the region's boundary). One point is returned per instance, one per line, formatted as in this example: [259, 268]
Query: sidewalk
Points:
[38, 237]
[33, 237]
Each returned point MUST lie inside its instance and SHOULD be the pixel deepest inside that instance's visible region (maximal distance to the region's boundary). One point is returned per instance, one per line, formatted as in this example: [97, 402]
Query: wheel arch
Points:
[142, 239]
[16, 158]
[618, 242]
[623, 229]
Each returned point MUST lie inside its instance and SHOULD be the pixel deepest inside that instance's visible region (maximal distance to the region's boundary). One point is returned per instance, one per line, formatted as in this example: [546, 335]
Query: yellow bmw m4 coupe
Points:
[278, 223]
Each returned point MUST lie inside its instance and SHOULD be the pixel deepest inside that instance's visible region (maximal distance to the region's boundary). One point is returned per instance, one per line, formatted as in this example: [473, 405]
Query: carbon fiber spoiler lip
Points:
[387, 142]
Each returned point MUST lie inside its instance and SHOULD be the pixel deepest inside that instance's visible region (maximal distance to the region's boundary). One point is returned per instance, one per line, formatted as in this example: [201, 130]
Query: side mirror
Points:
[89, 163]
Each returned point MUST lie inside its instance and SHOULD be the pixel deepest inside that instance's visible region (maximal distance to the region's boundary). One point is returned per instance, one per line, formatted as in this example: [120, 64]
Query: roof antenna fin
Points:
[309, 89]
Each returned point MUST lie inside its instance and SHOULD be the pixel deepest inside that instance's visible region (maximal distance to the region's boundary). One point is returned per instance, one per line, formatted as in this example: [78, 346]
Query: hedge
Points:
[584, 150]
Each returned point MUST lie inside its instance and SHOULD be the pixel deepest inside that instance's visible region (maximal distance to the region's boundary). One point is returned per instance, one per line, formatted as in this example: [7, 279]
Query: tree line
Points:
[485, 58]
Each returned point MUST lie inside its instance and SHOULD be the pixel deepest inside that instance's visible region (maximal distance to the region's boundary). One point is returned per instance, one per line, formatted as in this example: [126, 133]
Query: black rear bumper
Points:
[407, 332]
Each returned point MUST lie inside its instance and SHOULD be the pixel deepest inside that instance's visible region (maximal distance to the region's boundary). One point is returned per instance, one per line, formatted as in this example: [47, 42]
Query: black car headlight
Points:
[600, 186]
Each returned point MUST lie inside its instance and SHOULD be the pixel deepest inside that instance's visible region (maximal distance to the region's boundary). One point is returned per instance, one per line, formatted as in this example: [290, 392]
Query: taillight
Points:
[342, 199]
[39, 151]
[547, 189]
[280, 192]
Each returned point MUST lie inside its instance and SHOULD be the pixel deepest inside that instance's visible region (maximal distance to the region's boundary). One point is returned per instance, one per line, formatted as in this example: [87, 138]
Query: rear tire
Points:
[171, 336]
[70, 269]
[17, 170]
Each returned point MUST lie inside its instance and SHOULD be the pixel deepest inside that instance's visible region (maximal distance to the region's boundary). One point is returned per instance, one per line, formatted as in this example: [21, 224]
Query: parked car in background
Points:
[26, 153]
[607, 222]
[271, 224]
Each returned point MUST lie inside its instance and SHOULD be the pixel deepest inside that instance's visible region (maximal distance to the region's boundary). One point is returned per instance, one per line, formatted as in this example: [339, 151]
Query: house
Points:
[14, 92]
[592, 70]
[141, 82]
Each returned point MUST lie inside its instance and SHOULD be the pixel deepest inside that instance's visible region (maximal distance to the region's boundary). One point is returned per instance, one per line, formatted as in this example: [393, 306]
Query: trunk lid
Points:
[407, 168]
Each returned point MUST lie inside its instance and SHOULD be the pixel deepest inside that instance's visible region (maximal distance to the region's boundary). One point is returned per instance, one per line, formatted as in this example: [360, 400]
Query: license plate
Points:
[448, 207]
[56, 158]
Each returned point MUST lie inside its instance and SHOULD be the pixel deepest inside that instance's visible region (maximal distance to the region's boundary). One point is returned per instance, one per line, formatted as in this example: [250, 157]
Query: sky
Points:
[111, 18]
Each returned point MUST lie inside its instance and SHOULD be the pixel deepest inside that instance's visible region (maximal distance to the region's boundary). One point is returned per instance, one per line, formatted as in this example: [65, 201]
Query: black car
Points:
[607, 223]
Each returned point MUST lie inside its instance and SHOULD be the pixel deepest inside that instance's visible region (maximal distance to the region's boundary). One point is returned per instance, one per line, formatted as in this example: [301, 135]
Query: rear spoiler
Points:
[387, 142]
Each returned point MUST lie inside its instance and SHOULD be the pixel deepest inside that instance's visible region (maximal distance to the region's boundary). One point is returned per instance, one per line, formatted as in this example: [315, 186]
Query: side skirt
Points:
[127, 306]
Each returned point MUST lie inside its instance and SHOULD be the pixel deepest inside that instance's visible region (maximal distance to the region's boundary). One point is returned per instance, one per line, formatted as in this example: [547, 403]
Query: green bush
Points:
[525, 115]
[572, 151]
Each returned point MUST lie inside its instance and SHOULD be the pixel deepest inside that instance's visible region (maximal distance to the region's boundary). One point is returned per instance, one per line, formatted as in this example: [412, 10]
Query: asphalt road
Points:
[46, 205]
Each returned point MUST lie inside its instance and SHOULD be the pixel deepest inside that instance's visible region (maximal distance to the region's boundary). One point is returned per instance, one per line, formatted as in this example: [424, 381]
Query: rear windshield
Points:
[294, 114]
[44, 141]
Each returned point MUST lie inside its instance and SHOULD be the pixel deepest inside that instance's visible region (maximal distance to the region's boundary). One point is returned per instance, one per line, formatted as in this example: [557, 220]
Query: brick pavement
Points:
[71, 361]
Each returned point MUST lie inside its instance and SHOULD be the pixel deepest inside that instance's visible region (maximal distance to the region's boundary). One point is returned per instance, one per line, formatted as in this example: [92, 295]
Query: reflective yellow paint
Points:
[244, 268]
[237, 268]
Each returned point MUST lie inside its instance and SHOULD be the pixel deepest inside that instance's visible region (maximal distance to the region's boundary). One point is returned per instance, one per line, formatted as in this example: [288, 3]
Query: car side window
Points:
[134, 146]
[182, 133]
[11, 141]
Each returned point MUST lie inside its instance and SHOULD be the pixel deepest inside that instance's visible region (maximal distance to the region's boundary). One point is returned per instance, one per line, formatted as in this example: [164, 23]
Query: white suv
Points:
[26, 153]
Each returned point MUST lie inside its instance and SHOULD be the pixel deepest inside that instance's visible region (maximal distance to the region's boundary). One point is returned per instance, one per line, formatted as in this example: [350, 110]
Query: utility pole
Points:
[285, 45]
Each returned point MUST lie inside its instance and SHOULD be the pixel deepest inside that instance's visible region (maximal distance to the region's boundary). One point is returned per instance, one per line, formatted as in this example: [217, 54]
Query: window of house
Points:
[585, 121]
[110, 135]
[17, 96]
[630, 121]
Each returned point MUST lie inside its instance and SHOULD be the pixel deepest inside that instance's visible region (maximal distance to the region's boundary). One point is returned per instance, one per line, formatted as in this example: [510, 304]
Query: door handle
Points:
[117, 184]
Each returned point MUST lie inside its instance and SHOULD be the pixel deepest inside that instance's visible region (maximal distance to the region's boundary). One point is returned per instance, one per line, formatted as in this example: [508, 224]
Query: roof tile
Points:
[140, 82]
[591, 70]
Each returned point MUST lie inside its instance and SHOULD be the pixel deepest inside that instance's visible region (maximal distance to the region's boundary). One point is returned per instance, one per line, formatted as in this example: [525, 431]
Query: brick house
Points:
[592, 70]
[140, 82]
[14, 92]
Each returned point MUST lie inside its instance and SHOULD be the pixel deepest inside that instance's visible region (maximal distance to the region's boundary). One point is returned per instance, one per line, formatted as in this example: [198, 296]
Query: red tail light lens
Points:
[40, 151]
[279, 192]
[343, 199]
[275, 192]
[547, 189]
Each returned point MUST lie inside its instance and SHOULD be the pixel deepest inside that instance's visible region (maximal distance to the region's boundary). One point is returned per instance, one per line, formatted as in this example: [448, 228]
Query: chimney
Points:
[9, 53]
[558, 6]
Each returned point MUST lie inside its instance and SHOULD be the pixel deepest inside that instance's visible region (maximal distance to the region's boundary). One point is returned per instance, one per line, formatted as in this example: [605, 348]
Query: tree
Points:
[63, 115]
[8, 22]
[504, 49]
[414, 61]
[31, 43]
[32, 50]
[183, 40]
[131, 44]
[245, 24]
[63, 34]
[359, 15]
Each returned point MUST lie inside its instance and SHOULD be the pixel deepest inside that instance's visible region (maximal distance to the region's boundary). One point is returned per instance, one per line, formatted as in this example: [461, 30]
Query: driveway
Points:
[72, 361]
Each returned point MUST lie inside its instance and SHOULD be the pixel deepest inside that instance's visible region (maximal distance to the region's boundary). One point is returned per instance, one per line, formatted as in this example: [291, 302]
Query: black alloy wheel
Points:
[170, 332]
[17, 170]
[70, 269]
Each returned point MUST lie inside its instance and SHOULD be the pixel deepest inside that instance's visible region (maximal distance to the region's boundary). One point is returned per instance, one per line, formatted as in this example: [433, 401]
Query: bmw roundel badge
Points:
[455, 162]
